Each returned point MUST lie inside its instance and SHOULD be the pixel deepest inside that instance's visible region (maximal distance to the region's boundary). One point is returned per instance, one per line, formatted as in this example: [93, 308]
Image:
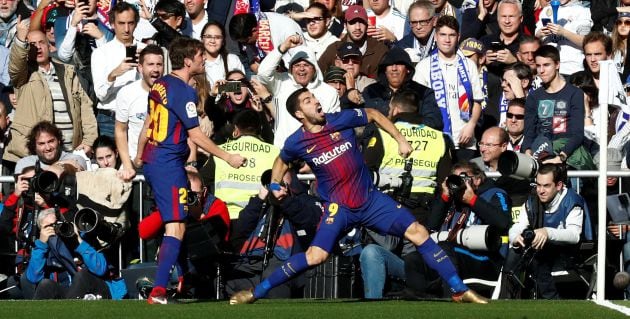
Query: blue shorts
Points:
[170, 189]
[380, 213]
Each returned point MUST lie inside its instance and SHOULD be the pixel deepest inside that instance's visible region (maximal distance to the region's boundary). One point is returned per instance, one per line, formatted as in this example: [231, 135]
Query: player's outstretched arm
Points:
[404, 149]
[235, 160]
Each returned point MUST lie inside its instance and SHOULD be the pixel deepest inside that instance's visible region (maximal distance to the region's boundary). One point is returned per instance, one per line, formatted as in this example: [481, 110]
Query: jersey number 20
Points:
[159, 121]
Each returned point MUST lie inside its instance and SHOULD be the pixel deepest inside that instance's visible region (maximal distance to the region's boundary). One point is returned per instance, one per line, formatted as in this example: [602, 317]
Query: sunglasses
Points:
[315, 19]
[516, 116]
[348, 60]
[625, 23]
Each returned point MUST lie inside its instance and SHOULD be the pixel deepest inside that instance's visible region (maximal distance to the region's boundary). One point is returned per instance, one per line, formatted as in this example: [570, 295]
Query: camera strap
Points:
[459, 224]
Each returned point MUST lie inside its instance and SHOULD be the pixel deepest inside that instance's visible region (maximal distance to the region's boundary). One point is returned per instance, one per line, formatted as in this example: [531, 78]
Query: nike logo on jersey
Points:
[309, 150]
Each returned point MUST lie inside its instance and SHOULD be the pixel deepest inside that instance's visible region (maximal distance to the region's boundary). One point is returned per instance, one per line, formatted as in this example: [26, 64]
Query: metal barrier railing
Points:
[308, 177]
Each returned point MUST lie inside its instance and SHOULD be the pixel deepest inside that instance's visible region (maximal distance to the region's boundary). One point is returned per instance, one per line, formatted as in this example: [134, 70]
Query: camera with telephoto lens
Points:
[93, 224]
[456, 185]
[473, 237]
[64, 228]
[517, 165]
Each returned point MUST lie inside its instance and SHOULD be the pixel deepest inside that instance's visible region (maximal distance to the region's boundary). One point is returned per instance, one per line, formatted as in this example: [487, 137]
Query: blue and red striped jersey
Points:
[173, 110]
[334, 156]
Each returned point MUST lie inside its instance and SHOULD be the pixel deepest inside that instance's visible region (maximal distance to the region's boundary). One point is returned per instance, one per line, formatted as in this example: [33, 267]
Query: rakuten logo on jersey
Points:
[327, 157]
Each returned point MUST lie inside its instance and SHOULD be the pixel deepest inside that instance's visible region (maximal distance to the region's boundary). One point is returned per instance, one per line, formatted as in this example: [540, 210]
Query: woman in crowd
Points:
[620, 40]
[221, 110]
[218, 61]
[105, 152]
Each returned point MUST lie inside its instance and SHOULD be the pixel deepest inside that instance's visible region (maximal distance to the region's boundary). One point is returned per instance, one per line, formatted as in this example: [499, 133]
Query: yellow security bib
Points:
[428, 147]
[236, 186]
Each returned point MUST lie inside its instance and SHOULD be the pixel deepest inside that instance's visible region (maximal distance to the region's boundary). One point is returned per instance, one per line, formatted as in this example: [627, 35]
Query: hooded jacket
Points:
[378, 95]
[281, 85]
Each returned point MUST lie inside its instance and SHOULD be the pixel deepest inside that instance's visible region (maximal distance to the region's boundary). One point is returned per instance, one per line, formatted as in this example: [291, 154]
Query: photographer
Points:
[293, 227]
[557, 219]
[467, 199]
[52, 272]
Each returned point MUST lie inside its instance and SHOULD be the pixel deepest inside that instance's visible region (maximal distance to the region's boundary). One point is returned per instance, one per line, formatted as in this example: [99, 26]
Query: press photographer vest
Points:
[553, 220]
[236, 186]
[428, 147]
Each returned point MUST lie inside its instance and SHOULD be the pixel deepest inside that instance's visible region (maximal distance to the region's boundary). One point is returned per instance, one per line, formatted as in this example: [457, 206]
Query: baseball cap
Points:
[472, 46]
[348, 49]
[356, 12]
[335, 74]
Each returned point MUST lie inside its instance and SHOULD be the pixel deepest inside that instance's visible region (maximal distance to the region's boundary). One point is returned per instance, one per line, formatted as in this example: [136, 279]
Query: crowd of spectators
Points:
[464, 81]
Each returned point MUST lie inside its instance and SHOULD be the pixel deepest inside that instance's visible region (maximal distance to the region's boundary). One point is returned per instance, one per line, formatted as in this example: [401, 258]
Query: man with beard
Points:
[372, 50]
[9, 20]
[197, 18]
[327, 143]
[47, 90]
[131, 107]
[44, 144]
[317, 36]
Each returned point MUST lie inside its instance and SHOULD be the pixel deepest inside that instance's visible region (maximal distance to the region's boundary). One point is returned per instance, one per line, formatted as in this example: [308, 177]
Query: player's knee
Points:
[416, 233]
[315, 256]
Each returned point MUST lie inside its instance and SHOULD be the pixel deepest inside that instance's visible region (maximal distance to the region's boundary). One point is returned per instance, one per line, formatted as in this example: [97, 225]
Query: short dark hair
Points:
[104, 141]
[522, 70]
[248, 122]
[549, 52]
[39, 128]
[150, 49]
[174, 7]
[559, 172]
[447, 21]
[322, 8]
[529, 39]
[120, 7]
[519, 102]
[241, 26]
[406, 100]
[293, 101]
[183, 48]
[597, 36]
[473, 168]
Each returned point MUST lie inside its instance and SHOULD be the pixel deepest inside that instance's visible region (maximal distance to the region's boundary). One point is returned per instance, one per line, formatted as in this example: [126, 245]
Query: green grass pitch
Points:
[306, 308]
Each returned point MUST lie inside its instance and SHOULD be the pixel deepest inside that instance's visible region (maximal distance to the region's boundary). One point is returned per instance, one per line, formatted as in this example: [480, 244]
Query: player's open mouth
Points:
[319, 109]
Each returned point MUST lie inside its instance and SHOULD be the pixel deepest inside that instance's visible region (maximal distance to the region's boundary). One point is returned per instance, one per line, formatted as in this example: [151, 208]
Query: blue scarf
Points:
[464, 89]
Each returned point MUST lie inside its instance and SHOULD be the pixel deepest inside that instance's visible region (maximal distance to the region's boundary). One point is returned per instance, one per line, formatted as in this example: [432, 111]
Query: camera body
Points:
[456, 185]
[528, 235]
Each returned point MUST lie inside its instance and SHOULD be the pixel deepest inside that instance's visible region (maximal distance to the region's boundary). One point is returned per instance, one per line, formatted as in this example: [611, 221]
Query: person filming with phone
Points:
[236, 94]
[114, 64]
[503, 46]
